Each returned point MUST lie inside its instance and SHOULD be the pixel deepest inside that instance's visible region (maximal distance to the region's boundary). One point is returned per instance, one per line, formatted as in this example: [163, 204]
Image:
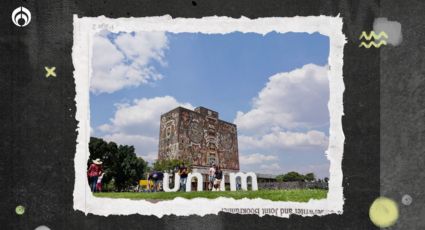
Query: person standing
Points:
[99, 183]
[158, 182]
[155, 180]
[157, 177]
[211, 176]
[150, 180]
[218, 177]
[183, 177]
[94, 171]
[238, 183]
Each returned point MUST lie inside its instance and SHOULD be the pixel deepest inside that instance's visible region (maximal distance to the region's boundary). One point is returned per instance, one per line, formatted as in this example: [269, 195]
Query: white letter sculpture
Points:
[166, 183]
[198, 181]
[244, 181]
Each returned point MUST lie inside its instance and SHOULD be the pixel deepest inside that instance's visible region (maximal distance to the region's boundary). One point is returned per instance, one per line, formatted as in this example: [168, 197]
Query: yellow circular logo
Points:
[383, 212]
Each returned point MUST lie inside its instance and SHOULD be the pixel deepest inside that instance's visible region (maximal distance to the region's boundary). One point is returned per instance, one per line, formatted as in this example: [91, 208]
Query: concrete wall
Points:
[292, 185]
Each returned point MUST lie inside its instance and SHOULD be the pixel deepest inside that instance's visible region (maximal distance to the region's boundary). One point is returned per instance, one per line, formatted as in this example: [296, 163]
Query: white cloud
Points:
[137, 123]
[104, 128]
[273, 168]
[255, 158]
[143, 46]
[142, 115]
[150, 157]
[284, 140]
[124, 61]
[287, 117]
[289, 100]
[148, 142]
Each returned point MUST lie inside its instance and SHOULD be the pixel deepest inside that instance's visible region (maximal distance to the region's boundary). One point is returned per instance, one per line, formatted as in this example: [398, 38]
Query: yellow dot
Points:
[383, 212]
[20, 210]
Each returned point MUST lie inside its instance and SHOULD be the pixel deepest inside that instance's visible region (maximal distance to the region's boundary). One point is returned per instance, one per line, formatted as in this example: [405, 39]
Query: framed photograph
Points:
[196, 116]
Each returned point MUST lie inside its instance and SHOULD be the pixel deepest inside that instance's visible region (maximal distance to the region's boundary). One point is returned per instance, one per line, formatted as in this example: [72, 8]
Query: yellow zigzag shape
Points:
[367, 46]
[372, 34]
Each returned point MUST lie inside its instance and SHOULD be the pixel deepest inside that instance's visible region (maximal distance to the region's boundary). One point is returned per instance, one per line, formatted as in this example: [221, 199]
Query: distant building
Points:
[200, 138]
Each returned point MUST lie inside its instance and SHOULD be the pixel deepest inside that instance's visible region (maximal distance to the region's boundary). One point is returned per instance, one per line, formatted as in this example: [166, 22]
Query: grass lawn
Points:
[298, 195]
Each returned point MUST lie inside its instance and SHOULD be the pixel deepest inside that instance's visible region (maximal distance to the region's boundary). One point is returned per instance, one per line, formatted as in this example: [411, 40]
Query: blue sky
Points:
[236, 73]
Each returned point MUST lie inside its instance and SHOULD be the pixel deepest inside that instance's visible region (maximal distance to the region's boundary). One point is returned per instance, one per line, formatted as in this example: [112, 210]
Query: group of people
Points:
[156, 179]
[95, 175]
[215, 176]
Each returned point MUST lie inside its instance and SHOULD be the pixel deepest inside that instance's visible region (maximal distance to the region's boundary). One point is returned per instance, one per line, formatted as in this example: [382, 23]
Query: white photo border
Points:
[84, 30]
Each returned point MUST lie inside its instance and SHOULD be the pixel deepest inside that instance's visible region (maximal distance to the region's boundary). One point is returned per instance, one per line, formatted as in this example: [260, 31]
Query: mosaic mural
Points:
[199, 137]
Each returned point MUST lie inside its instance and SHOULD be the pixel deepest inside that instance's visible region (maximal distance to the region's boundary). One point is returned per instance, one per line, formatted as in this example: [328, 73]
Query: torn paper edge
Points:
[84, 30]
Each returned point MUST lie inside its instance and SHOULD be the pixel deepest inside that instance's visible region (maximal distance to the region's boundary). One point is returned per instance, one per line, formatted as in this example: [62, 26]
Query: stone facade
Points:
[199, 137]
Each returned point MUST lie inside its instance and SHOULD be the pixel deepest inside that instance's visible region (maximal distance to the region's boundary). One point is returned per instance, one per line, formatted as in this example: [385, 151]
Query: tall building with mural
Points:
[200, 138]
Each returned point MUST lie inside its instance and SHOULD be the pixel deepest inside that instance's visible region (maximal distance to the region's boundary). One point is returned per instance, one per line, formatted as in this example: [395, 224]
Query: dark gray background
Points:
[403, 113]
[383, 106]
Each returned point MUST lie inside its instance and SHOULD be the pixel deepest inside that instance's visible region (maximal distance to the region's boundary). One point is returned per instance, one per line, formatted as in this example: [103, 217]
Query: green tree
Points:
[290, 176]
[309, 177]
[168, 165]
[120, 163]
